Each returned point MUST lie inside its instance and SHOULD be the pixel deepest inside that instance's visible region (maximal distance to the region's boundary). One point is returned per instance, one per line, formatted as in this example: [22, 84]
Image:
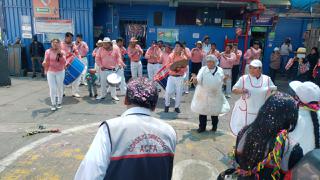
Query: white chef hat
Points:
[256, 63]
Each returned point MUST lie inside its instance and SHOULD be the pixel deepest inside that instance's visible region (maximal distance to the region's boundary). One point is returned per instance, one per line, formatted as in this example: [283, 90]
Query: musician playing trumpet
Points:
[208, 99]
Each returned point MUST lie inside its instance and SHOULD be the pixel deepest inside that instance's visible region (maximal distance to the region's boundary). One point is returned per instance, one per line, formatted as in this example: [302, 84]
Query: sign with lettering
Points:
[46, 8]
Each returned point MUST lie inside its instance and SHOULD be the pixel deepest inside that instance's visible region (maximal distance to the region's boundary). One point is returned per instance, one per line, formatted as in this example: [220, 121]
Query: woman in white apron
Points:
[208, 99]
[254, 89]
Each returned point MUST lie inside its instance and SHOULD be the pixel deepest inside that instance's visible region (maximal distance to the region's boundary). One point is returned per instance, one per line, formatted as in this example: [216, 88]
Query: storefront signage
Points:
[262, 21]
[168, 35]
[26, 29]
[53, 28]
[46, 8]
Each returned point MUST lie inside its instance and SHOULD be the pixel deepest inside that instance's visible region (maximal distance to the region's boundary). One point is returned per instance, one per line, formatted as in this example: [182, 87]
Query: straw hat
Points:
[106, 40]
[99, 42]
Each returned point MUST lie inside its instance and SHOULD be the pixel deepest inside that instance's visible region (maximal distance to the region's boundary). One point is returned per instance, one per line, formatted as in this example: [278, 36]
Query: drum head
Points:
[114, 79]
[179, 64]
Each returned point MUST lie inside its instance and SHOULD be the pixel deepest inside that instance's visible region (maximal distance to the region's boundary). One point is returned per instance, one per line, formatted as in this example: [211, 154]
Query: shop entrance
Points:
[136, 29]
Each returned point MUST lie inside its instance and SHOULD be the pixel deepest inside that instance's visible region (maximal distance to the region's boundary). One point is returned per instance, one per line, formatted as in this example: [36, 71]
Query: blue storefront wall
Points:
[146, 12]
[80, 11]
[286, 27]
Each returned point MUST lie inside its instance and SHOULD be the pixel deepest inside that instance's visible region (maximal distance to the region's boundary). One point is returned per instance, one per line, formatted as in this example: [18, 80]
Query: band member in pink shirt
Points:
[227, 59]
[187, 74]
[71, 52]
[153, 55]
[123, 51]
[83, 50]
[54, 65]
[135, 53]
[197, 55]
[214, 51]
[236, 65]
[253, 53]
[94, 53]
[175, 80]
[108, 59]
[164, 59]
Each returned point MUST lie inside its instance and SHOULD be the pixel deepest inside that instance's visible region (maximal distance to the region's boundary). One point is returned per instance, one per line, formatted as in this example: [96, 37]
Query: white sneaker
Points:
[115, 98]
[59, 106]
[76, 95]
[100, 97]
[53, 108]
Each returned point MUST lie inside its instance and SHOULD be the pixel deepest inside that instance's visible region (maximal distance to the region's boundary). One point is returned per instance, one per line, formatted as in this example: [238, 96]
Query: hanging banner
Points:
[53, 28]
[46, 8]
[168, 35]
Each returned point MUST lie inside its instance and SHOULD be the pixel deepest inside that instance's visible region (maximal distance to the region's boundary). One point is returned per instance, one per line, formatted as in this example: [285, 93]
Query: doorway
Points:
[131, 28]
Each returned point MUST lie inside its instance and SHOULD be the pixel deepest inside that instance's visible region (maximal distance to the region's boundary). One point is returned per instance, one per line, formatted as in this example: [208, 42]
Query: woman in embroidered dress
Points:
[255, 88]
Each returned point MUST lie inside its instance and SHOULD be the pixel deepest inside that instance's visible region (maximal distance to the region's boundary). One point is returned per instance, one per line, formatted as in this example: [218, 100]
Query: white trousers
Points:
[186, 79]
[97, 68]
[103, 81]
[152, 70]
[174, 85]
[228, 72]
[84, 61]
[75, 86]
[136, 69]
[55, 81]
[246, 70]
[123, 85]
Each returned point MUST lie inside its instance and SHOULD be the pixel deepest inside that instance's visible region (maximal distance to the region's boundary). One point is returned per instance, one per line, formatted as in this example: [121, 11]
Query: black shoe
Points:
[33, 76]
[201, 130]
[177, 110]
[214, 129]
[64, 95]
[166, 109]
[96, 95]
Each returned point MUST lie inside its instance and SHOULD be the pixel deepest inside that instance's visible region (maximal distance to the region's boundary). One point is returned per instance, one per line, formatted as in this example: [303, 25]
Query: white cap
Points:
[276, 49]
[213, 58]
[256, 63]
[106, 40]
[307, 91]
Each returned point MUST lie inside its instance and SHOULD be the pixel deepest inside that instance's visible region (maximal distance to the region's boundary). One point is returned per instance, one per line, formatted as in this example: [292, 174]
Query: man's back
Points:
[138, 147]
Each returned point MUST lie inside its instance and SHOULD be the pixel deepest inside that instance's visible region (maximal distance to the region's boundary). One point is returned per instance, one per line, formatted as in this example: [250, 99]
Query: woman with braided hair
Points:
[307, 131]
[261, 145]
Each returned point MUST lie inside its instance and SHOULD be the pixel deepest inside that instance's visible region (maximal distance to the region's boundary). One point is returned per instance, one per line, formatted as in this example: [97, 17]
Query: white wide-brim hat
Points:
[106, 40]
[306, 91]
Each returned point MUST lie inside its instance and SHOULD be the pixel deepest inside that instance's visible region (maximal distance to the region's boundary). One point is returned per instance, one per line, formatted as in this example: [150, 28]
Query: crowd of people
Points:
[257, 117]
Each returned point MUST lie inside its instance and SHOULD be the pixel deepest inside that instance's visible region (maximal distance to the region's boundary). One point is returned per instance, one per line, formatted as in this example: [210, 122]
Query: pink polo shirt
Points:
[252, 54]
[227, 60]
[83, 48]
[215, 52]
[51, 62]
[70, 50]
[94, 52]
[197, 55]
[238, 55]
[135, 53]
[188, 52]
[123, 50]
[173, 58]
[153, 55]
[108, 59]
[164, 58]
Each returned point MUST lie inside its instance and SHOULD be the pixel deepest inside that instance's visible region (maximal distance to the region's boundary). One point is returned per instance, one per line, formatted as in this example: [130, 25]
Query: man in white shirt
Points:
[134, 146]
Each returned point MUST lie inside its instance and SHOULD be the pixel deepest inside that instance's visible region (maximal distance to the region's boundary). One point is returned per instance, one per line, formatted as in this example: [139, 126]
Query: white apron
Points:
[247, 107]
[208, 98]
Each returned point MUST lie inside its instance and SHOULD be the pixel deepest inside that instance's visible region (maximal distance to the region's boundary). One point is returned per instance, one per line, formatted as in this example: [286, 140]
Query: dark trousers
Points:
[38, 61]
[92, 88]
[235, 74]
[272, 74]
[203, 122]
[195, 67]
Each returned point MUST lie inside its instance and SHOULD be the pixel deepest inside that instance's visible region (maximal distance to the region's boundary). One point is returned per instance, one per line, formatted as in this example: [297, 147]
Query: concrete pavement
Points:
[26, 105]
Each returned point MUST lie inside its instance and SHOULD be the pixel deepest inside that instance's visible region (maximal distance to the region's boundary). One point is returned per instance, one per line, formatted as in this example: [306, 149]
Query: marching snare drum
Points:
[114, 79]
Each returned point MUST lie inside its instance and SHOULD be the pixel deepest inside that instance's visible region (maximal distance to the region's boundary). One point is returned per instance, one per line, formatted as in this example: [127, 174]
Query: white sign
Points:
[26, 28]
[195, 35]
[53, 26]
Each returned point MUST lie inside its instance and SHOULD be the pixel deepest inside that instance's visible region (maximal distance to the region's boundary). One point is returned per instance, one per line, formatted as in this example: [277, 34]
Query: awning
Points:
[304, 4]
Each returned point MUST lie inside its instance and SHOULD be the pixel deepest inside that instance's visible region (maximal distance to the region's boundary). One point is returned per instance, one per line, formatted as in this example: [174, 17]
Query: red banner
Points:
[46, 8]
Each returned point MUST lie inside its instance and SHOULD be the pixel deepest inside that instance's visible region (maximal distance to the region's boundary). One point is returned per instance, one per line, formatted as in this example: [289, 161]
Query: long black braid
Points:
[315, 121]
